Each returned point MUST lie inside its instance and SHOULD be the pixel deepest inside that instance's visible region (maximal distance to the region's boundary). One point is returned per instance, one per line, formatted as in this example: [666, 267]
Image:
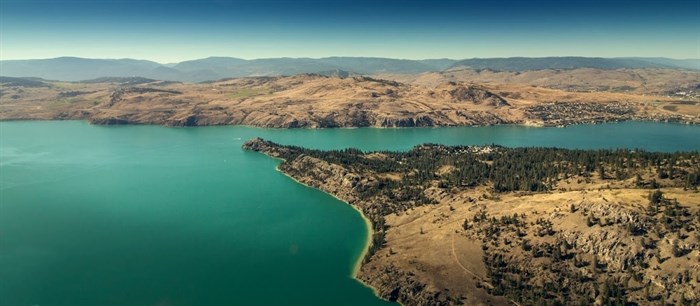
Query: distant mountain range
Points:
[571, 62]
[214, 68]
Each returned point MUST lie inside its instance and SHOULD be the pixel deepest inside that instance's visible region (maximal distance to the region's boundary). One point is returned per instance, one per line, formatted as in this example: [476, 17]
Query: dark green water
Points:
[147, 215]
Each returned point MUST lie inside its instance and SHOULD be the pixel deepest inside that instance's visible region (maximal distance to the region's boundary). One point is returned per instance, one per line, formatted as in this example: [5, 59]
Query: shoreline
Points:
[527, 124]
[368, 238]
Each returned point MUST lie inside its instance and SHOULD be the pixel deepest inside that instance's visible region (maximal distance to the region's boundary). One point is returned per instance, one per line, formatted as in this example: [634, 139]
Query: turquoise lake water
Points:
[149, 215]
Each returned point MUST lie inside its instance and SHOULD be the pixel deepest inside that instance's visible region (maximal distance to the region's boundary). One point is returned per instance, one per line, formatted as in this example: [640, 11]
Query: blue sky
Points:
[176, 30]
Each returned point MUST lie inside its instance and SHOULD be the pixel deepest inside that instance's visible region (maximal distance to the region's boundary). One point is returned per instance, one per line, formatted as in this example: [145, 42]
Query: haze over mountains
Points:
[215, 68]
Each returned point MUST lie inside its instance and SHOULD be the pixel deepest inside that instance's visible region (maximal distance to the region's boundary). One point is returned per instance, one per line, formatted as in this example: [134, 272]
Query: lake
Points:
[149, 215]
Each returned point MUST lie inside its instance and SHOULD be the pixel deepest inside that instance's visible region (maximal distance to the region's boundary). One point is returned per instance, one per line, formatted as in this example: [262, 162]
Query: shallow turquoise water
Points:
[147, 215]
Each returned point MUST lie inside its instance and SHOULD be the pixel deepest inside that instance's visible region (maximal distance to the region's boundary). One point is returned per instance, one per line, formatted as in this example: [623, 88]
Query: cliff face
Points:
[438, 241]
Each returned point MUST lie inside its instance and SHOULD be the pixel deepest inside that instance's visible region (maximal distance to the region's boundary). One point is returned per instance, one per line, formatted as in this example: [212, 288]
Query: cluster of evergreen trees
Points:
[507, 169]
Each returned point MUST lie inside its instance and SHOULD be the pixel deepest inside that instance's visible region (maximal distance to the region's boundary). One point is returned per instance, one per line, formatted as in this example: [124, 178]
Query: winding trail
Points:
[470, 272]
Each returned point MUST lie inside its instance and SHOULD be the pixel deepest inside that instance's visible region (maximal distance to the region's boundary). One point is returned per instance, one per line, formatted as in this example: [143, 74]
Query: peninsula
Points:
[489, 225]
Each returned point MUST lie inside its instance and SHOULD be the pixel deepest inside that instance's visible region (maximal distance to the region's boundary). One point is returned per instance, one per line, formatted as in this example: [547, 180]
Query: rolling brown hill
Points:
[318, 101]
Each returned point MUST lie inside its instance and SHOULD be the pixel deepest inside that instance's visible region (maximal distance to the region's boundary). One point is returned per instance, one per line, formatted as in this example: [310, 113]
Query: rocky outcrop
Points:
[623, 254]
[266, 147]
[460, 93]
[109, 121]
